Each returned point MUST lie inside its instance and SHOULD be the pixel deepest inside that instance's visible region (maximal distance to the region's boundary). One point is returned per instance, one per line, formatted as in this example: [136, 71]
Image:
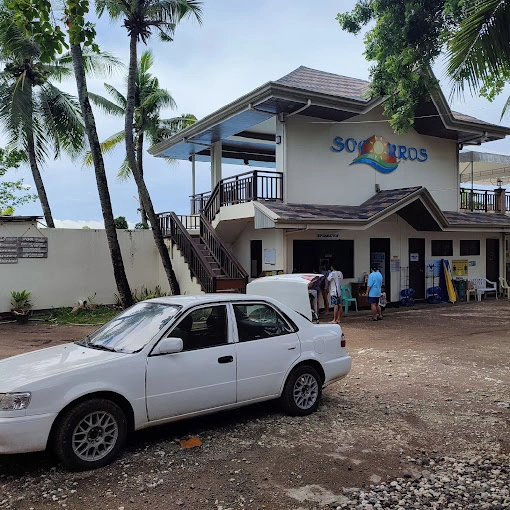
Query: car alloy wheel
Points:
[306, 391]
[95, 436]
[90, 434]
[302, 391]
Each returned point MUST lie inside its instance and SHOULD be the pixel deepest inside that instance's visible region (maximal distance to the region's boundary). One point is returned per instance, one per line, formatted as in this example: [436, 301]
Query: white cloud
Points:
[78, 224]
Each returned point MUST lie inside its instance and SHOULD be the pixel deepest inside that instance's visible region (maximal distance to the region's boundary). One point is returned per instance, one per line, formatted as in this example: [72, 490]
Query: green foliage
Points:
[95, 317]
[121, 223]
[21, 301]
[12, 193]
[407, 36]
[141, 226]
[144, 293]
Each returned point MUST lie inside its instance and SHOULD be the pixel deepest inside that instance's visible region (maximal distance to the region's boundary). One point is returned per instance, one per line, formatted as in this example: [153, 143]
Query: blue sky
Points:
[239, 46]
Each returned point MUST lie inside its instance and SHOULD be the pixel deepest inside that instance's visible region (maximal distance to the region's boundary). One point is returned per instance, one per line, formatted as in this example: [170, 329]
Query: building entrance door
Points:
[492, 259]
[417, 266]
[380, 256]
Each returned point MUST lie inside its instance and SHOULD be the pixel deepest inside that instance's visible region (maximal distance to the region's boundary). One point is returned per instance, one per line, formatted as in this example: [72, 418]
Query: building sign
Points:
[377, 152]
[14, 248]
[324, 235]
[460, 267]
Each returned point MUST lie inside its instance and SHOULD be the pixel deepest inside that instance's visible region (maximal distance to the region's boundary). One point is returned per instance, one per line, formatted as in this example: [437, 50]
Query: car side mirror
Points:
[169, 345]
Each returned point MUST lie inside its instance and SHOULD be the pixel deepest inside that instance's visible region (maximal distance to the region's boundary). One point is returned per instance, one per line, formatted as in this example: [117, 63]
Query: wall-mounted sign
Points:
[14, 248]
[377, 152]
[270, 256]
[322, 235]
[414, 257]
[460, 267]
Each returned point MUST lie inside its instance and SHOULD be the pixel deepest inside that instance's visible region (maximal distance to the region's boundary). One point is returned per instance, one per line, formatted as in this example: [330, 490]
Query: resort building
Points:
[328, 181]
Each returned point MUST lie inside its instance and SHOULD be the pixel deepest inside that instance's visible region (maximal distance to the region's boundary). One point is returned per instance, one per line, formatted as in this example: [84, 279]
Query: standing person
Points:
[335, 279]
[374, 285]
[325, 287]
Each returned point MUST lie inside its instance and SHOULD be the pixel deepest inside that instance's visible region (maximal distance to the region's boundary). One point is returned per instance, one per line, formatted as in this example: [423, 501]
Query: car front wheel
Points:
[90, 434]
[302, 391]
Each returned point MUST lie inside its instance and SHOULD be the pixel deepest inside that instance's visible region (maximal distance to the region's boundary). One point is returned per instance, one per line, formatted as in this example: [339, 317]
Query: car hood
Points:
[17, 371]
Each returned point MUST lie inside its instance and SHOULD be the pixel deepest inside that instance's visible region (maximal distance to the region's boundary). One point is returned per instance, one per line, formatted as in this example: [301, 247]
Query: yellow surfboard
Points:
[452, 295]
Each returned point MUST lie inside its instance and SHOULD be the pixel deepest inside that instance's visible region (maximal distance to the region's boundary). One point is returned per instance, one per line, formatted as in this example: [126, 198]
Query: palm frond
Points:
[124, 171]
[106, 105]
[107, 147]
[61, 114]
[480, 47]
[116, 95]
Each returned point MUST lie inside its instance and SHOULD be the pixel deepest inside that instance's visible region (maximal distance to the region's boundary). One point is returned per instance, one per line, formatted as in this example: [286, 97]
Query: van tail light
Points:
[343, 343]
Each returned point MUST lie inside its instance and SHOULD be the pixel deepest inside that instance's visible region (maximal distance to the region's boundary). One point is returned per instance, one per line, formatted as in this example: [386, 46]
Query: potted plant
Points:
[21, 305]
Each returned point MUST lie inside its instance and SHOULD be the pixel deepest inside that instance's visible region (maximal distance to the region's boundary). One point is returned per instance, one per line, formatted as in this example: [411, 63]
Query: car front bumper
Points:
[336, 369]
[22, 434]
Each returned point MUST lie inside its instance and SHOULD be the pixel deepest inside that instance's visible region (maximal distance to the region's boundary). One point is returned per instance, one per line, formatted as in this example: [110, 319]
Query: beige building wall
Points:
[316, 174]
[78, 266]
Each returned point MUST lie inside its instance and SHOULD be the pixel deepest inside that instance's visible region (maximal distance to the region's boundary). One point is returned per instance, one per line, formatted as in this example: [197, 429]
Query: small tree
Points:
[12, 193]
[121, 223]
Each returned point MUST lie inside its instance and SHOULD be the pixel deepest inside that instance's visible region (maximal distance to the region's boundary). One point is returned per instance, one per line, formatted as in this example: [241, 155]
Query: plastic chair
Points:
[347, 298]
[504, 288]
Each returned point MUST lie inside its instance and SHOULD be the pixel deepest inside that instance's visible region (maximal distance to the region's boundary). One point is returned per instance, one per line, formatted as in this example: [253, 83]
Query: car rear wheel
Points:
[302, 391]
[90, 434]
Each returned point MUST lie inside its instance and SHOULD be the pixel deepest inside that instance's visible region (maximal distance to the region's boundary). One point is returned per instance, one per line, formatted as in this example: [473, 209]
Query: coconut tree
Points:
[37, 19]
[149, 100]
[38, 118]
[141, 17]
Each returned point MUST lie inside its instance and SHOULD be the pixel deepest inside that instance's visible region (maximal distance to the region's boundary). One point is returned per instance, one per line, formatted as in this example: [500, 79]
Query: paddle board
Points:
[452, 295]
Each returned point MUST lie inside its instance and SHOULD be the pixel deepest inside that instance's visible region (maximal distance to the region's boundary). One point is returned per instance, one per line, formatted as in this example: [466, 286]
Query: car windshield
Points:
[132, 329]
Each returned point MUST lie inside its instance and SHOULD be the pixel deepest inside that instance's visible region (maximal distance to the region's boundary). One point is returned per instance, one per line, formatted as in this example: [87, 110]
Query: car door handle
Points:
[292, 347]
[226, 359]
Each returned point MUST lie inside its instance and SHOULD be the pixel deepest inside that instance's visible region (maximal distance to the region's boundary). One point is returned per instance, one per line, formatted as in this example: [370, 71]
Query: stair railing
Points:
[228, 263]
[198, 265]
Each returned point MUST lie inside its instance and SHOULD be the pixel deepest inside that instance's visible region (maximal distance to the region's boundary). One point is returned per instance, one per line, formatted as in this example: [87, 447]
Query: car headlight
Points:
[14, 401]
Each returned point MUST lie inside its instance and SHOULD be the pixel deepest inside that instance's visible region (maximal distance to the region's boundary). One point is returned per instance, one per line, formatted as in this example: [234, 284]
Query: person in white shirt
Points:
[335, 279]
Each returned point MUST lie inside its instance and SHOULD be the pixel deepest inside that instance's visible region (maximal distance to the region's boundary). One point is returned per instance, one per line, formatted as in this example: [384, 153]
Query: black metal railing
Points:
[228, 263]
[198, 202]
[247, 187]
[172, 227]
[481, 200]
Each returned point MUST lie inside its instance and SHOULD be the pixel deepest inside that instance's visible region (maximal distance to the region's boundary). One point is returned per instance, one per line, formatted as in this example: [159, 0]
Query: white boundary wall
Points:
[79, 265]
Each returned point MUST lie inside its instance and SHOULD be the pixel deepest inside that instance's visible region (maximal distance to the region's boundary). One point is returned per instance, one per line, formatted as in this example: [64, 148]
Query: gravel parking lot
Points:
[422, 421]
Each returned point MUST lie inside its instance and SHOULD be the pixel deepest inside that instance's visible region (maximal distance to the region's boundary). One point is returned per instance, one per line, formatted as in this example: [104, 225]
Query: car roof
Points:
[199, 299]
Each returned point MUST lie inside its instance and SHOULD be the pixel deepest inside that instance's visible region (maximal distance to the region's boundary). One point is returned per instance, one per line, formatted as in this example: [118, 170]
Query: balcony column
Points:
[216, 150]
[500, 200]
[193, 176]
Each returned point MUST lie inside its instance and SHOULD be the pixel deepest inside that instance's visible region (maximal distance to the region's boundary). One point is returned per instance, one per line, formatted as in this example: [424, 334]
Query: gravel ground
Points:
[422, 421]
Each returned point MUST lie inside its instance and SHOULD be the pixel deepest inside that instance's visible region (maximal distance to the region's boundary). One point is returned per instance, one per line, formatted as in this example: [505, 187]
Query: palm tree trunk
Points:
[139, 161]
[125, 295]
[146, 201]
[36, 174]
[41, 191]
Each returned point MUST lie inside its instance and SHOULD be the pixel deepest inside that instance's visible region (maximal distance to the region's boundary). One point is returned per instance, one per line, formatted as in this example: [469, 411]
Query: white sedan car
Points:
[163, 360]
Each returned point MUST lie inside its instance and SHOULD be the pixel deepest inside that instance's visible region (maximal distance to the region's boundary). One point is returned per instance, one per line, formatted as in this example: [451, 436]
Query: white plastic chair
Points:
[504, 288]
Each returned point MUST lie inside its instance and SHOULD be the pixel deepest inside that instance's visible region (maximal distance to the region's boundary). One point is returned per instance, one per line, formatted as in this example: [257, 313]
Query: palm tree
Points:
[140, 18]
[479, 51]
[149, 100]
[39, 119]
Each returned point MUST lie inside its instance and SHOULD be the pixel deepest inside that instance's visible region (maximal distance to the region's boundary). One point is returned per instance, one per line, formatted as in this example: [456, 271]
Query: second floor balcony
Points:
[484, 200]
[268, 186]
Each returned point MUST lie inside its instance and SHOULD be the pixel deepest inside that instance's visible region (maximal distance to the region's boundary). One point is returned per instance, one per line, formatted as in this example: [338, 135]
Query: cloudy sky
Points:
[239, 46]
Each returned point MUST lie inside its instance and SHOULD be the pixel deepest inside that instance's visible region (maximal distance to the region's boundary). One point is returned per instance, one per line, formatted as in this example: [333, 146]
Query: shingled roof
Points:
[403, 201]
[327, 83]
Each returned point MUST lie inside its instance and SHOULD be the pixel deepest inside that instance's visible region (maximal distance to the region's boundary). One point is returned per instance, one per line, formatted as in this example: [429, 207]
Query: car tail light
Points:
[343, 343]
